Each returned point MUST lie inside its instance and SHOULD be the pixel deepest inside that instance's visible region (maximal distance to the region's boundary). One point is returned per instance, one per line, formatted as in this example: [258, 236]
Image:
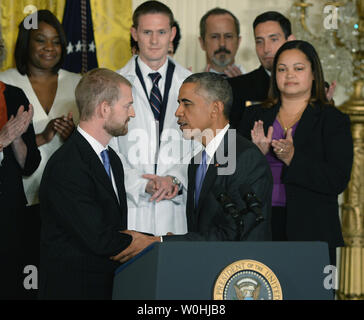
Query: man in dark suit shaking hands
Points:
[225, 163]
[82, 195]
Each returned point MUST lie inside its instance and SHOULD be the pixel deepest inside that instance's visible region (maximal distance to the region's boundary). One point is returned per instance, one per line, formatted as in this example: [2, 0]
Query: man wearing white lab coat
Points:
[155, 160]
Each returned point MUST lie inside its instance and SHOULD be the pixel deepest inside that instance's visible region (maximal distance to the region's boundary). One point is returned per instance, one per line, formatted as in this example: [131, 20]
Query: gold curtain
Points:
[112, 20]
[12, 13]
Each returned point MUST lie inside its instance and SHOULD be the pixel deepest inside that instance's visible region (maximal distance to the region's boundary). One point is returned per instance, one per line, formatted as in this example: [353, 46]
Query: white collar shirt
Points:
[145, 70]
[214, 144]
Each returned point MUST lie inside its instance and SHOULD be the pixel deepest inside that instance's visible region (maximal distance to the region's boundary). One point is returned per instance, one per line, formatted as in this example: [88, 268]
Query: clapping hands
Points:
[283, 148]
[15, 126]
[64, 126]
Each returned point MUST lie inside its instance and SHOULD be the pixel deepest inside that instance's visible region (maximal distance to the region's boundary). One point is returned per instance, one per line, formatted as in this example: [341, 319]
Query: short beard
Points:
[223, 62]
[116, 131]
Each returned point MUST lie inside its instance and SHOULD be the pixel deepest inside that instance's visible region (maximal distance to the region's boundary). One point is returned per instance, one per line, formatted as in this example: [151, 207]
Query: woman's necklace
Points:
[291, 119]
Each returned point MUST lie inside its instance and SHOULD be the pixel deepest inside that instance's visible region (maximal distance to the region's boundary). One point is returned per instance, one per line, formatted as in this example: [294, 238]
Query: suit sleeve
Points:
[70, 197]
[238, 105]
[330, 174]
[33, 157]
[15, 99]
[247, 122]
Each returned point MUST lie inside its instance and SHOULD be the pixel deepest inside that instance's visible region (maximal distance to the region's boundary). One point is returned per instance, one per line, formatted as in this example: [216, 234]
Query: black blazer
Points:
[208, 221]
[253, 87]
[81, 223]
[12, 196]
[318, 173]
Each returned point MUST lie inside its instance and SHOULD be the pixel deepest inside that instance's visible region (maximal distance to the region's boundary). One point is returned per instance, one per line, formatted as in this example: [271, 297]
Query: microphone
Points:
[229, 207]
[252, 201]
[225, 201]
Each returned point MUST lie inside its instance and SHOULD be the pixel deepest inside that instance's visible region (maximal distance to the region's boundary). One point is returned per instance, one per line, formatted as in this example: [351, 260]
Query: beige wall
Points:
[189, 12]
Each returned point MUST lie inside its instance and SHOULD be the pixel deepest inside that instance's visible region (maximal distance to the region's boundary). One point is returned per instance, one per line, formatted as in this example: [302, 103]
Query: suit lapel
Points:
[306, 125]
[208, 182]
[96, 167]
[211, 173]
[270, 117]
[190, 206]
[118, 172]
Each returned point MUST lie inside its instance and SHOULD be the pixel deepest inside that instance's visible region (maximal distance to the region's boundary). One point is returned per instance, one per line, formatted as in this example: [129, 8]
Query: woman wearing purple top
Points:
[308, 144]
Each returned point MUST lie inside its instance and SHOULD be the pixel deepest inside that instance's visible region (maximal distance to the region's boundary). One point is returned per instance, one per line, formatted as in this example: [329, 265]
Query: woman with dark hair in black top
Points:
[308, 144]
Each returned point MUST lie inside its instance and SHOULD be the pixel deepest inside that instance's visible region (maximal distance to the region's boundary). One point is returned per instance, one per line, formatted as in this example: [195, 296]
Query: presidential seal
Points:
[247, 280]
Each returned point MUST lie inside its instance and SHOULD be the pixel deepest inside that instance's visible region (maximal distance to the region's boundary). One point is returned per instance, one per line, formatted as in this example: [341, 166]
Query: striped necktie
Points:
[155, 95]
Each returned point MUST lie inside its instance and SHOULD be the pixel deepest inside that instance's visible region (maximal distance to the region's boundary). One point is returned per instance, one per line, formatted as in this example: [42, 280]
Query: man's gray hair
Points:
[216, 87]
[216, 12]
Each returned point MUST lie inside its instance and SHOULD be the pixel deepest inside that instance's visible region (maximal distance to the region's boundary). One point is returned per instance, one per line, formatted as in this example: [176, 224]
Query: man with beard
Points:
[220, 39]
[82, 195]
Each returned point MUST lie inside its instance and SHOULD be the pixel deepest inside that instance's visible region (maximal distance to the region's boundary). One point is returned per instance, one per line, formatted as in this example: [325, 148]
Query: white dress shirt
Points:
[145, 70]
[214, 144]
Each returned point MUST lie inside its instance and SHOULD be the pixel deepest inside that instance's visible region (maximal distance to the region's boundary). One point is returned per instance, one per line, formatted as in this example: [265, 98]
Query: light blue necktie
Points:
[106, 161]
[200, 175]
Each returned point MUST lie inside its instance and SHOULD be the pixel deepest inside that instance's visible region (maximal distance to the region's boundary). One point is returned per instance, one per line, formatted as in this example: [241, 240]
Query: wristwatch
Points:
[176, 181]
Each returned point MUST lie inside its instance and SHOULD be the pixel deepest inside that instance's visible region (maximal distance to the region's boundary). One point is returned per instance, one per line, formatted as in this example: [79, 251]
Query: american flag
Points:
[81, 49]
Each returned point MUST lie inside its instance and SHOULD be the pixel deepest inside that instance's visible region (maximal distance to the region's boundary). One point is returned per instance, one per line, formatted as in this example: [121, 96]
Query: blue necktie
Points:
[106, 161]
[200, 175]
[155, 95]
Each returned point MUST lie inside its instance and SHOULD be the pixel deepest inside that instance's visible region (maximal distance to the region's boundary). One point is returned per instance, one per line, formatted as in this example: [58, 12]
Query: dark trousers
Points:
[279, 230]
[31, 245]
[19, 248]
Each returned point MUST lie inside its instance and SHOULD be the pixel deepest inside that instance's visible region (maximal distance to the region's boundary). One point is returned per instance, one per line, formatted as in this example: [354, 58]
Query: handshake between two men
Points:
[159, 188]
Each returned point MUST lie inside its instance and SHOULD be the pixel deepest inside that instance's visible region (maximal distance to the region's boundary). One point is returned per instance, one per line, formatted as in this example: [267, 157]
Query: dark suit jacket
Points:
[12, 196]
[252, 86]
[81, 220]
[208, 221]
[319, 171]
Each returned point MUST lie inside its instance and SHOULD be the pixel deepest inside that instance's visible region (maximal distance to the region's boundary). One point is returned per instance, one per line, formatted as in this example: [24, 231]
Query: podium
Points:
[230, 270]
